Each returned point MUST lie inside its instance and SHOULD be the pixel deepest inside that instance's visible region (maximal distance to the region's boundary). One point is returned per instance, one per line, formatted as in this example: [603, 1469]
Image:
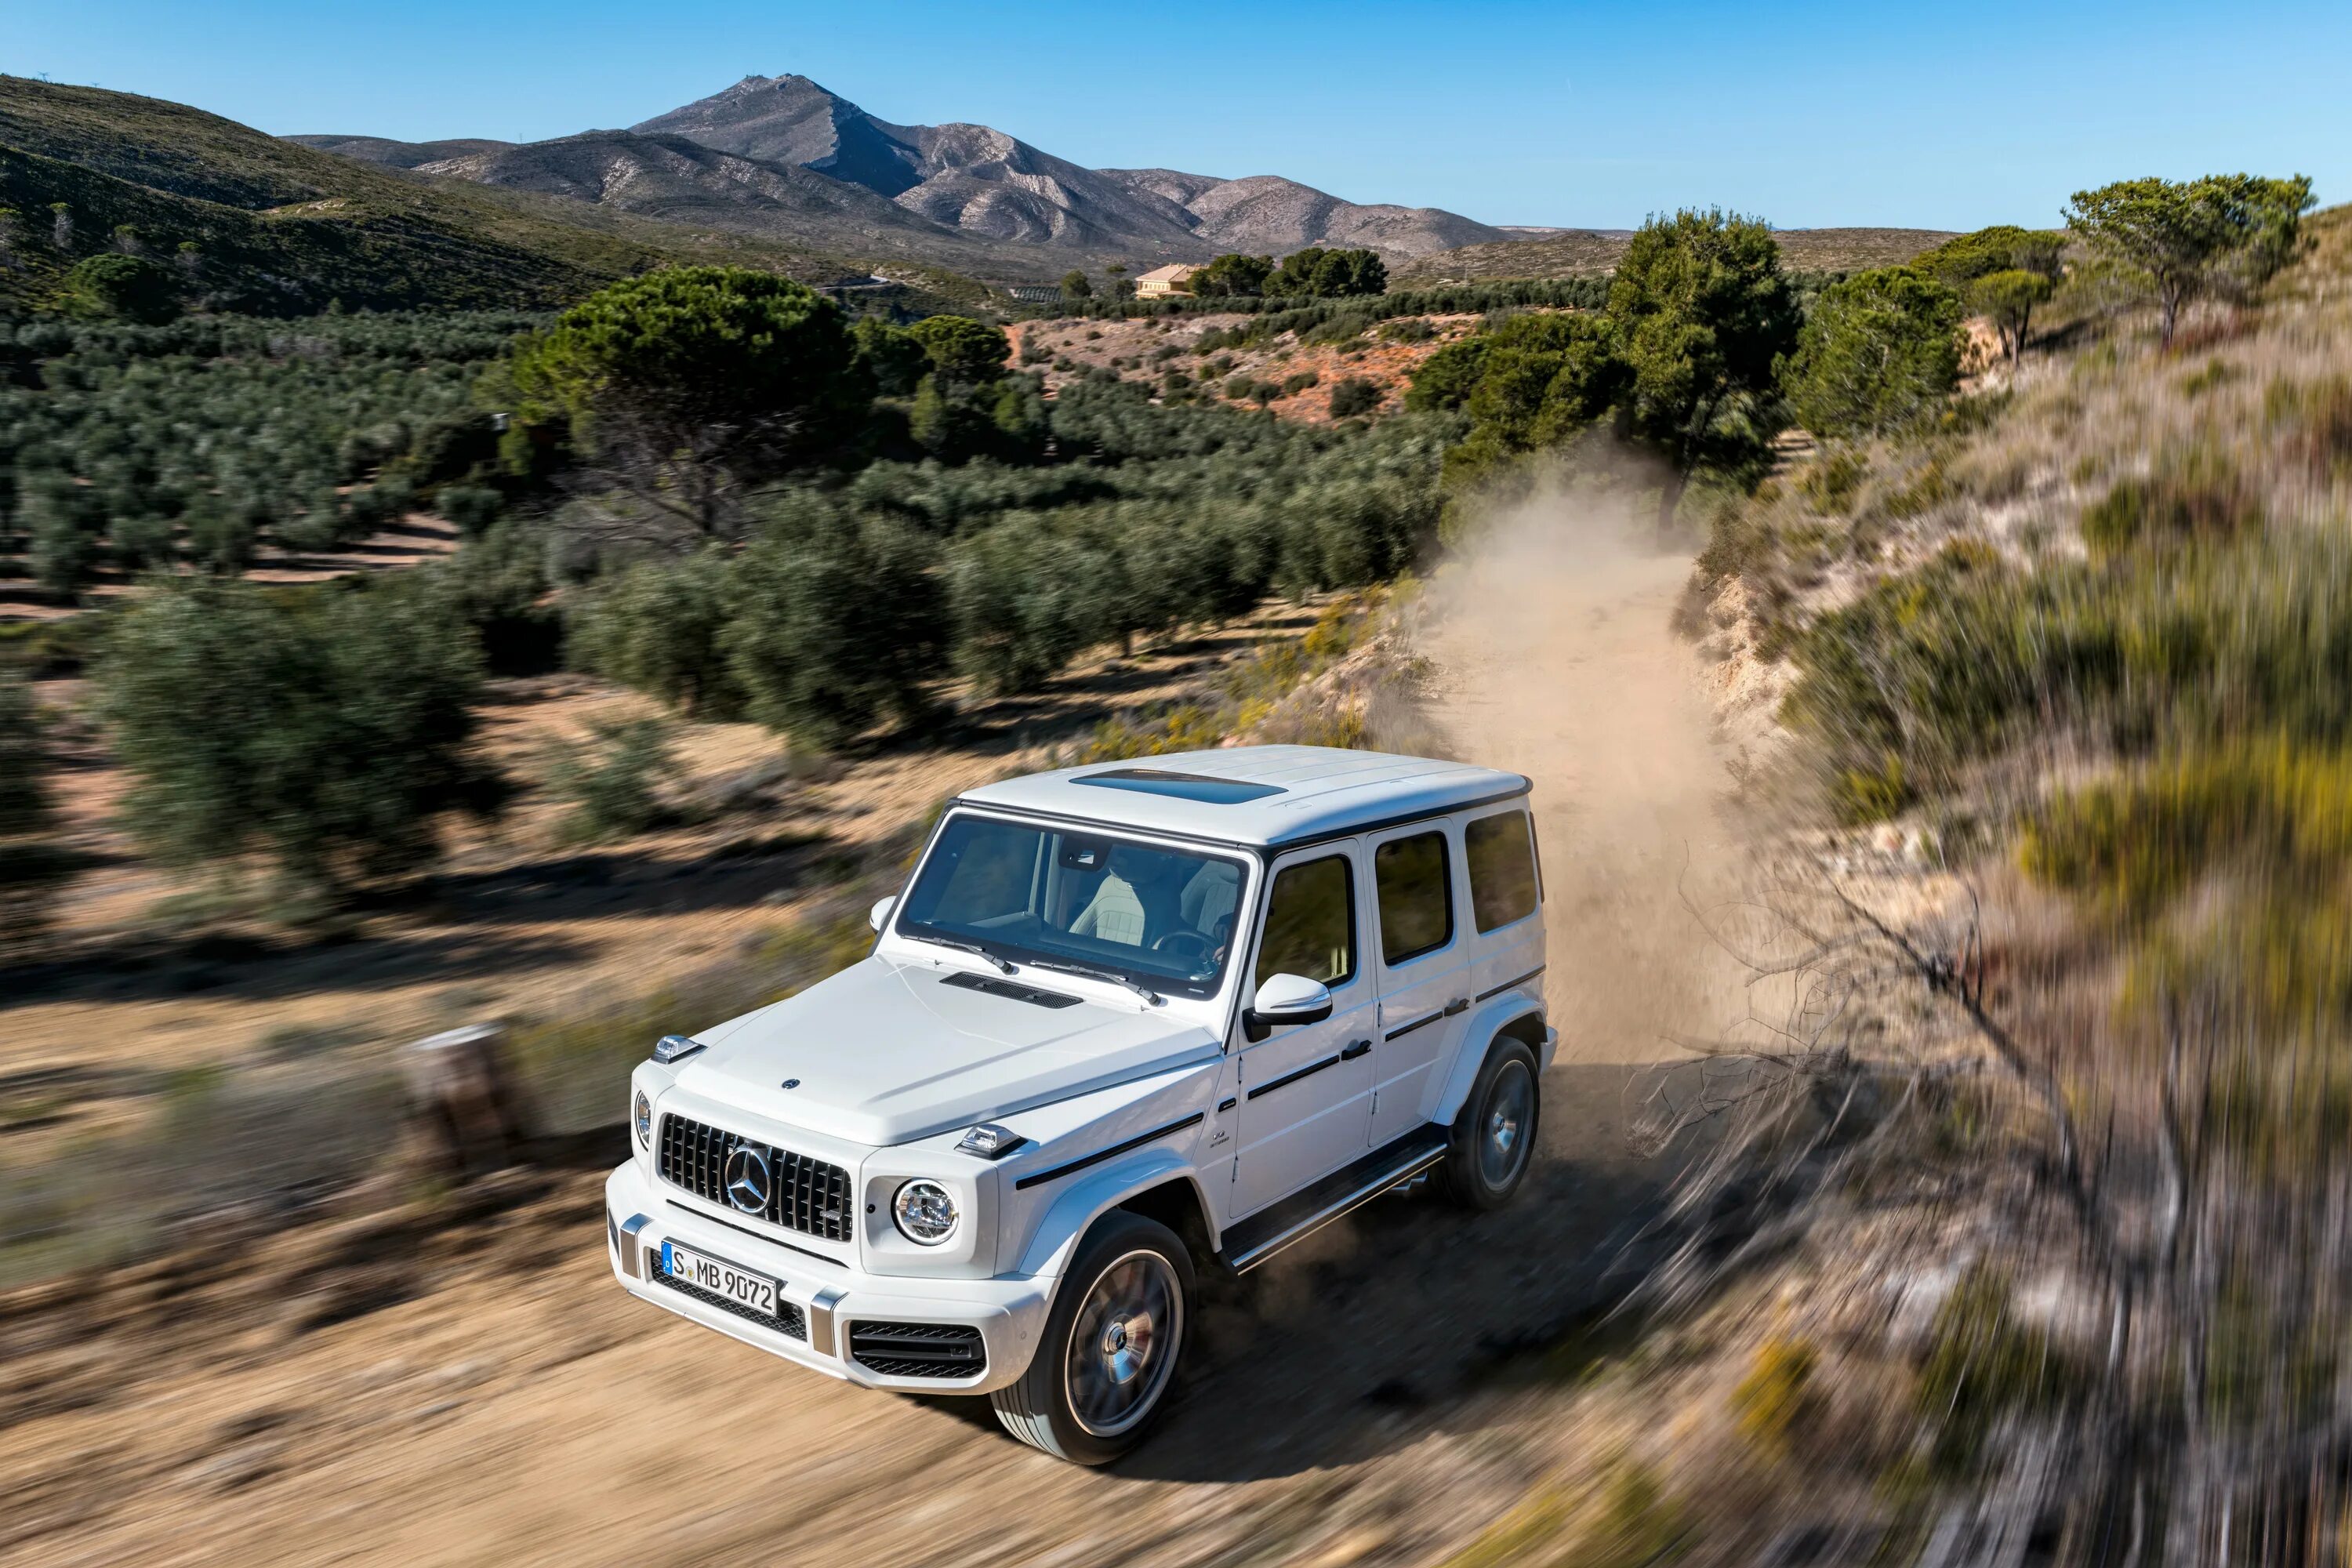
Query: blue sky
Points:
[1808, 114]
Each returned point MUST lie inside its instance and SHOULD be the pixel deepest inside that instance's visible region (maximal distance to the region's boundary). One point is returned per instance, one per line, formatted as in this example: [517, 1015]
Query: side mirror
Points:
[879, 915]
[1284, 1000]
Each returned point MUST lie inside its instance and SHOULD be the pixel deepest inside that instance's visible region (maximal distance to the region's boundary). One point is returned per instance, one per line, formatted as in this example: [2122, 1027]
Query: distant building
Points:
[1162, 281]
[1036, 293]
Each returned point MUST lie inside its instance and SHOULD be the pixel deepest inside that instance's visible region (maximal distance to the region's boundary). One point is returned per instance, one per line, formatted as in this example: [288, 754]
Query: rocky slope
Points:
[1026, 209]
[685, 182]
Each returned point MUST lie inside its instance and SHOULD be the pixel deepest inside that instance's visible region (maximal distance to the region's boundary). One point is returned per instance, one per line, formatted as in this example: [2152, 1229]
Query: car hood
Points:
[885, 1053]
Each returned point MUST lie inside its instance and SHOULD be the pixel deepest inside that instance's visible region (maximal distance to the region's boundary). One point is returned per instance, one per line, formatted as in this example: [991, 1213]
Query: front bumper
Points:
[830, 1298]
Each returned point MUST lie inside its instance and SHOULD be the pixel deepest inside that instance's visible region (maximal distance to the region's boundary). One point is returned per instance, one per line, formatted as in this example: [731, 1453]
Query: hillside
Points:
[1017, 209]
[1580, 253]
[683, 182]
[282, 228]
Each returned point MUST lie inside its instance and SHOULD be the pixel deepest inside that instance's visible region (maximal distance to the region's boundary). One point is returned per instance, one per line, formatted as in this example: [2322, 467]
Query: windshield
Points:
[1076, 896]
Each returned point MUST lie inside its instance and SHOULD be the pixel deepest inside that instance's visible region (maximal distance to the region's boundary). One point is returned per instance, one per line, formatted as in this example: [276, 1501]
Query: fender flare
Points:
[1089, 1198]
[1486, 1025]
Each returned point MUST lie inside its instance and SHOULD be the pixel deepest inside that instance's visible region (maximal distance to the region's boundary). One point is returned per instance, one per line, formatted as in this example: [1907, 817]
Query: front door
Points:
[1422, 956]
[1304, 1091]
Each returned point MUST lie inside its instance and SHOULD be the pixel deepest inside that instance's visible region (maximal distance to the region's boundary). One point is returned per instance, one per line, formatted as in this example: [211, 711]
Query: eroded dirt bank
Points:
[1378, 1398]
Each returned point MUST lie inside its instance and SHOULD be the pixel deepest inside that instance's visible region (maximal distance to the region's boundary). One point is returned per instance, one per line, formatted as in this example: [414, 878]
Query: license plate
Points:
[740, 1286]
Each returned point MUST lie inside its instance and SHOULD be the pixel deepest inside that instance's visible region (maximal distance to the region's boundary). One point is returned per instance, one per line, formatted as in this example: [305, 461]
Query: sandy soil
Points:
[475, 1389]
[1131, 347]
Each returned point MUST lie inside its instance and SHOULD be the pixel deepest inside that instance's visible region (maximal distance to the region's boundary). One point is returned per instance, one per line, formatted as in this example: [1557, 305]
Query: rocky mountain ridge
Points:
[784, 156]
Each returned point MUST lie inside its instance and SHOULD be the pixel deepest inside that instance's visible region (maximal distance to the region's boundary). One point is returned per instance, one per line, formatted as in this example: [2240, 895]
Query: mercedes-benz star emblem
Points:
[748, 1184]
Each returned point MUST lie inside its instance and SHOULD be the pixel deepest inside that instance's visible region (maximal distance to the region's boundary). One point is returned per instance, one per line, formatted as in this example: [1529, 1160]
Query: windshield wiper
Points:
[1090, 972]
[961, 946]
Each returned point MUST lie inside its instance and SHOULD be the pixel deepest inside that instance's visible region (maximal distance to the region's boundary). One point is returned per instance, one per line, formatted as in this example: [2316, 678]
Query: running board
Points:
[1351, 1187]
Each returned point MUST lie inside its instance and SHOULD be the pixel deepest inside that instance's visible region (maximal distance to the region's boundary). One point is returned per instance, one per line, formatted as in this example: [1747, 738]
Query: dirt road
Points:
[1379, 1395]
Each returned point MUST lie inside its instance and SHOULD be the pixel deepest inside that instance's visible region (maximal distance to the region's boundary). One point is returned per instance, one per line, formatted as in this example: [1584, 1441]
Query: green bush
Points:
[657, 626]
[832, 625]
[613, 782]
[1354, 395]
[329, 731]
[1879, 349]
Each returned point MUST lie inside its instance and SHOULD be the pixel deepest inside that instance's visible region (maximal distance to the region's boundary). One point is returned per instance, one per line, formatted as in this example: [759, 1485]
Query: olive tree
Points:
[330, 731]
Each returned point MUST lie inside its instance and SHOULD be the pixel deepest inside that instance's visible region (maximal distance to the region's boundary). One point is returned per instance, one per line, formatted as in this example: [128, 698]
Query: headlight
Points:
[641, 1111]
[926, 1213]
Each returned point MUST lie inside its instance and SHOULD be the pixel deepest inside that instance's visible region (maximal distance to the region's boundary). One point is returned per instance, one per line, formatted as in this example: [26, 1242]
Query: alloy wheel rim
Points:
[1123, 1343]
[1503, 1134]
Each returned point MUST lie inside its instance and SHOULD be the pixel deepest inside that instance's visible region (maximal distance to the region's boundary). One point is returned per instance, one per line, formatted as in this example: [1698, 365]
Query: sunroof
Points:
[1183, 786]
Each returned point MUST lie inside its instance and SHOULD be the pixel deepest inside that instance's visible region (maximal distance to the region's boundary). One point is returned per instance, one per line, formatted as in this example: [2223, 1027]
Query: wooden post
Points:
[468, 1110]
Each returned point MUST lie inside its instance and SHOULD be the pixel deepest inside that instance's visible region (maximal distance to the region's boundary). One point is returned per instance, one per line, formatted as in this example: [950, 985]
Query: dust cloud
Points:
[1555, 658]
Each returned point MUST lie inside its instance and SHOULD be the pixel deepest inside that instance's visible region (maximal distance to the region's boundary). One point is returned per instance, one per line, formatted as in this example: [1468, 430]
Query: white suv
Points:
[1126, 1022]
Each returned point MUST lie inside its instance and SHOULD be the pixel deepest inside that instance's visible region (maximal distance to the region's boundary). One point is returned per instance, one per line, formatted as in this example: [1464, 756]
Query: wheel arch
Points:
[1159, 1184]
[1514, 1018]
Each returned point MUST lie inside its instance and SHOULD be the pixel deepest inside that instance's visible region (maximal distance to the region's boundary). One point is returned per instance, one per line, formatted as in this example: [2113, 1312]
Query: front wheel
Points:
[1104, 1366]
[1494, 1138]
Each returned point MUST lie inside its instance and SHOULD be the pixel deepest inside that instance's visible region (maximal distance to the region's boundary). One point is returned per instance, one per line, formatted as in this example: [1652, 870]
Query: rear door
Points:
[1424, 959]
[1505, 898]
[1306, 1091]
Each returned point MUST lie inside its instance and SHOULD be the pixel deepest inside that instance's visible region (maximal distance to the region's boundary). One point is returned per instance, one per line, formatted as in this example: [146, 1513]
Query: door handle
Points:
[1355, 1049]
[1456, 1006]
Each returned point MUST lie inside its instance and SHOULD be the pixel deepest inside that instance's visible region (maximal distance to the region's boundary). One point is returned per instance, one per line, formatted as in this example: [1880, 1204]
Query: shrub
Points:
[1355, 395]
[1773, 1396]
[1298, 382]
[1410, 330]
[330, 730]
[2194, 494]
[831, 625]
[657, 626]
[1879, 349]
[613, 782]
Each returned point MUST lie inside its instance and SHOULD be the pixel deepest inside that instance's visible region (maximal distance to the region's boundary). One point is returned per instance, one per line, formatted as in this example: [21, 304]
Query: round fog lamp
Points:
[642, 1112]
[926, 1213]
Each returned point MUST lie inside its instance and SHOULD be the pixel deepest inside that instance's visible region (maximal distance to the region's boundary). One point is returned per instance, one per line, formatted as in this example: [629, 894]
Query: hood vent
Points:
[1008, 989]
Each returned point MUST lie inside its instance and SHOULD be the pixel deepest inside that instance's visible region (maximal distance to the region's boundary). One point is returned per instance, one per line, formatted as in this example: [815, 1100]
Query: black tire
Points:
[1494, 1139]
[1129, 1269]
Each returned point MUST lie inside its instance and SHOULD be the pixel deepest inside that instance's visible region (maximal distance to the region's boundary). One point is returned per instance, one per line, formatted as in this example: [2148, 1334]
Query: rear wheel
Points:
[1104, 1367]
[1494, 1138]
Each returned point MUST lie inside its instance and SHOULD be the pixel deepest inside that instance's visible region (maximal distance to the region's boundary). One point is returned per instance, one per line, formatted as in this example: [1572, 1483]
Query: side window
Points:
[1502, 869]
[1416, 896]
[1310, 924]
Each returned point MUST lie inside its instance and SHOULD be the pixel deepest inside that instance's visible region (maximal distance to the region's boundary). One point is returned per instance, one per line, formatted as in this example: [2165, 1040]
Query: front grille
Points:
[917, 1349]
[789, 1319]
[803, 1195]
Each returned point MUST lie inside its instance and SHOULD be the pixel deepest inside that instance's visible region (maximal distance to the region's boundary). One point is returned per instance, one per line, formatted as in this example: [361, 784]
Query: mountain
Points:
[683, 182]
[279, 228]
[984, 182]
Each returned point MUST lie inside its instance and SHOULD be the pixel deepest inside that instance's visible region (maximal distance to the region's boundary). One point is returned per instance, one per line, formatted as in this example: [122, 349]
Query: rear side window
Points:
[1502, 869]
[1416, 896]
[1310, 924]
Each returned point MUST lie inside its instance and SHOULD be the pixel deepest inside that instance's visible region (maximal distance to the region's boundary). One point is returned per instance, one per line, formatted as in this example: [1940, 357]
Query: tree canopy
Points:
[963, 351]
[329, 731]
[1879, 348]
[1318, 271]
[2003, 247]
[122, 288]
[1234, 275]
[1703, 311]
[686, 384]
[2179, 240]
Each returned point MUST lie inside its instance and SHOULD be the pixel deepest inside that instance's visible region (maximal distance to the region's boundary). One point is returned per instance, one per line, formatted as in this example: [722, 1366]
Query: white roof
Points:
[1311, 792]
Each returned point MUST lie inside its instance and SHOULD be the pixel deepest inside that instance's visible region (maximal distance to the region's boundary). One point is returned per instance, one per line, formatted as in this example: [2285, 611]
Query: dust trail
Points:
[1555, 658]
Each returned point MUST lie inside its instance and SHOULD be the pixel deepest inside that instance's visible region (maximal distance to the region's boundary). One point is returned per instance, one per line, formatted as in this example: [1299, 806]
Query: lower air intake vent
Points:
[917, 1349]
[789, 1319]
